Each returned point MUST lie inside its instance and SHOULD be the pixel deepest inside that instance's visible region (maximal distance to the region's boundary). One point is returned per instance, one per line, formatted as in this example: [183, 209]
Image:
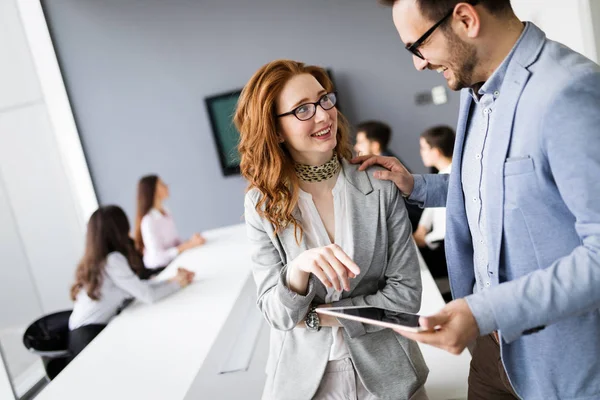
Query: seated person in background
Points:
[155, 234]
[436, 146]
[106, 277]
[372, 138]
[312, 217]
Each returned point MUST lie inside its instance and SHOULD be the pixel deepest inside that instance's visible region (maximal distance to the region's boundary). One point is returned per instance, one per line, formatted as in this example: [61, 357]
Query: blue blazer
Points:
[543, 217]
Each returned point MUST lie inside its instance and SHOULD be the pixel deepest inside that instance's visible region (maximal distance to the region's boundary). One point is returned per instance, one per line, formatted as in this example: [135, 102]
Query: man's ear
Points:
[468, 19]
[375, 147]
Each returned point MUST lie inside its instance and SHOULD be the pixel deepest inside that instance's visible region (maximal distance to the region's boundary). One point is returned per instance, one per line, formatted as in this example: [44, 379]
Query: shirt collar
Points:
[494, 83]
[446, 170]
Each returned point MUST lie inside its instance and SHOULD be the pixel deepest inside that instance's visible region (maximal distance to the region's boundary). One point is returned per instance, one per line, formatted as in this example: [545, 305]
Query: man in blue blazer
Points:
[523, 201]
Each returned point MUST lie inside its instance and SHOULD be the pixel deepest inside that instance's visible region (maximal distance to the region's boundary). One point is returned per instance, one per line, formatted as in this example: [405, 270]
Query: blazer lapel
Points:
[363, 204]
[499, 141]
[513, 85]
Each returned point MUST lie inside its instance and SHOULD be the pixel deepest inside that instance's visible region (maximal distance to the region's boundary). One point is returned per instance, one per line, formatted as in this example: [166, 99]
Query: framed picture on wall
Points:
[221, 109]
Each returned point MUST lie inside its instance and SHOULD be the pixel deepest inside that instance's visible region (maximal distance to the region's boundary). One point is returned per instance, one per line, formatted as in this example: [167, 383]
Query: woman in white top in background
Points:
[156, 236]
[436, 146]
[106, 277]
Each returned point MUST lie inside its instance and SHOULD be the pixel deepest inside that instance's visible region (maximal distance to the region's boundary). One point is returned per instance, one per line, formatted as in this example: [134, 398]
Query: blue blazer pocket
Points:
[518, 165]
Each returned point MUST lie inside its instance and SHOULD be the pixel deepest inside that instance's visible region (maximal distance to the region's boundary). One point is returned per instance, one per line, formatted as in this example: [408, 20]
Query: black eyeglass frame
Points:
[316, 103]
[414, 48]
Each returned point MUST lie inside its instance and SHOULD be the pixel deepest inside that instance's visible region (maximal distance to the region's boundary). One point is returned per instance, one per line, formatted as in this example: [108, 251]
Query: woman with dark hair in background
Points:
[106, 277]
[155, 234]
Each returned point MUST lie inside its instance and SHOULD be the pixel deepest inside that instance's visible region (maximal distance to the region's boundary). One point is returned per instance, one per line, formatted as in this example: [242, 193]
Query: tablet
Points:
[376, 316]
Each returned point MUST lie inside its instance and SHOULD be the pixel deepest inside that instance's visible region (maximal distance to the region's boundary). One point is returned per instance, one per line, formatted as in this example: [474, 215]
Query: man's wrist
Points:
[411, 187]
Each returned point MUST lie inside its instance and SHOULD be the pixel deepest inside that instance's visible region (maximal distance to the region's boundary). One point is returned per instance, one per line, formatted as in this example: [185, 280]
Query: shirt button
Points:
[496, 93]
[487, 284]
[475, 199]
[487, 111]
[477, 156]
[481, 241]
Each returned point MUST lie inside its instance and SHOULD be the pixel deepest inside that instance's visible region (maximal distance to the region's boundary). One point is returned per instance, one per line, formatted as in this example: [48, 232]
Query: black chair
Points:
[48, 337]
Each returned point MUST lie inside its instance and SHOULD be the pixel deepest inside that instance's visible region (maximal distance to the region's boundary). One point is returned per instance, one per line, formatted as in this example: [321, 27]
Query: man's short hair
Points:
[441, 138]
[435, 10]
[376, 131]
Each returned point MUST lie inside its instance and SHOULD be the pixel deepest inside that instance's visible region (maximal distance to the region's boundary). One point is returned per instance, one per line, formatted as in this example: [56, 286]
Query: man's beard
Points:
[463, 62]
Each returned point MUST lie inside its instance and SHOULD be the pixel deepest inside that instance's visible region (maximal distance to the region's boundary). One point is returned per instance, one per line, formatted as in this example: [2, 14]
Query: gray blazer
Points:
[389, 365]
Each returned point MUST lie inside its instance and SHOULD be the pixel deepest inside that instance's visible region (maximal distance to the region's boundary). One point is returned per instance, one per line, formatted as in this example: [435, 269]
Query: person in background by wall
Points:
[373, 138]
[312, 220]
[106, 277]
[436, 146]
[155, 233]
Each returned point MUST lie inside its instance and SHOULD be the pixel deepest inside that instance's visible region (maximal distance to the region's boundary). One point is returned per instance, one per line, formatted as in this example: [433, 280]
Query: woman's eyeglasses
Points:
[306, 111]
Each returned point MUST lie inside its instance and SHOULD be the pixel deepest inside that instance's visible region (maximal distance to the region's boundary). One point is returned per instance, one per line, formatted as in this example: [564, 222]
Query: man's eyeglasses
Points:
[414, 48]
[306, 111]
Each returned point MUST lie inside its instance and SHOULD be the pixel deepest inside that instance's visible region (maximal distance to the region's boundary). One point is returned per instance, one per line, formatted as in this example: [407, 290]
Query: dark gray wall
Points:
[137, 72]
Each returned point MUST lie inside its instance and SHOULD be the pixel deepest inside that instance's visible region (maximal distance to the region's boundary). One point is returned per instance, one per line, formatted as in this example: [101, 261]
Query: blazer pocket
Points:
[518, 165]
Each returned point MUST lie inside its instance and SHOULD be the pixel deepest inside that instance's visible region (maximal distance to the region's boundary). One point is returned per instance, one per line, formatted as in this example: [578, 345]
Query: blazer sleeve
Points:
[282, 308]
[569, 286]
[402, 289]
[430, 190]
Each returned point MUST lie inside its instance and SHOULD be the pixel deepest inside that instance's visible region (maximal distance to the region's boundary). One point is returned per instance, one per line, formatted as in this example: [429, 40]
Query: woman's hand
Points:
[197, 240]
[184, 277]
[330, 264]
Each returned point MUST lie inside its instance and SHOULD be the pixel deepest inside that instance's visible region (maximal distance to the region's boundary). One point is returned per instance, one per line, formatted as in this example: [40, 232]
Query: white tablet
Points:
[376, 316]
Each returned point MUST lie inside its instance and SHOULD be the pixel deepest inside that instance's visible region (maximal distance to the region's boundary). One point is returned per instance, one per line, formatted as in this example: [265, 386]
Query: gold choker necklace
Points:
[309, 173]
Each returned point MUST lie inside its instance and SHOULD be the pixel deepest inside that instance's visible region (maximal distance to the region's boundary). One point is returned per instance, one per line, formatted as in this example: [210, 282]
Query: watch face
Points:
[312, 321]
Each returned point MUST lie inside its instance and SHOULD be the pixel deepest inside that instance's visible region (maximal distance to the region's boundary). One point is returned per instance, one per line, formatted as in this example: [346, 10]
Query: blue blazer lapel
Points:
[499, 143]
[513, 85]
[459, 246]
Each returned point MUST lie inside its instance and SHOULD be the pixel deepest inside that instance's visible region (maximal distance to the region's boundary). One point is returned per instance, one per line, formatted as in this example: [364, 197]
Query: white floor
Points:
[25, 369]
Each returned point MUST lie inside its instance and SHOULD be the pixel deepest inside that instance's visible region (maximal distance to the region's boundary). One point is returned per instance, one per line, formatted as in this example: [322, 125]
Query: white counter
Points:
[170, 348]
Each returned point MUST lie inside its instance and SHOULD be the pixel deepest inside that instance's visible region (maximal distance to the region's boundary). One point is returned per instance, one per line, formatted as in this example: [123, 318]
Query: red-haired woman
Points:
[325, 234]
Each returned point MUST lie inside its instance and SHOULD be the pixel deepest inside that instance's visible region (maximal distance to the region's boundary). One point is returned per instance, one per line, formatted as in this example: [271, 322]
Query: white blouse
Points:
[119, 283]
[434, 220]
[315, 235]
[160, 239]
